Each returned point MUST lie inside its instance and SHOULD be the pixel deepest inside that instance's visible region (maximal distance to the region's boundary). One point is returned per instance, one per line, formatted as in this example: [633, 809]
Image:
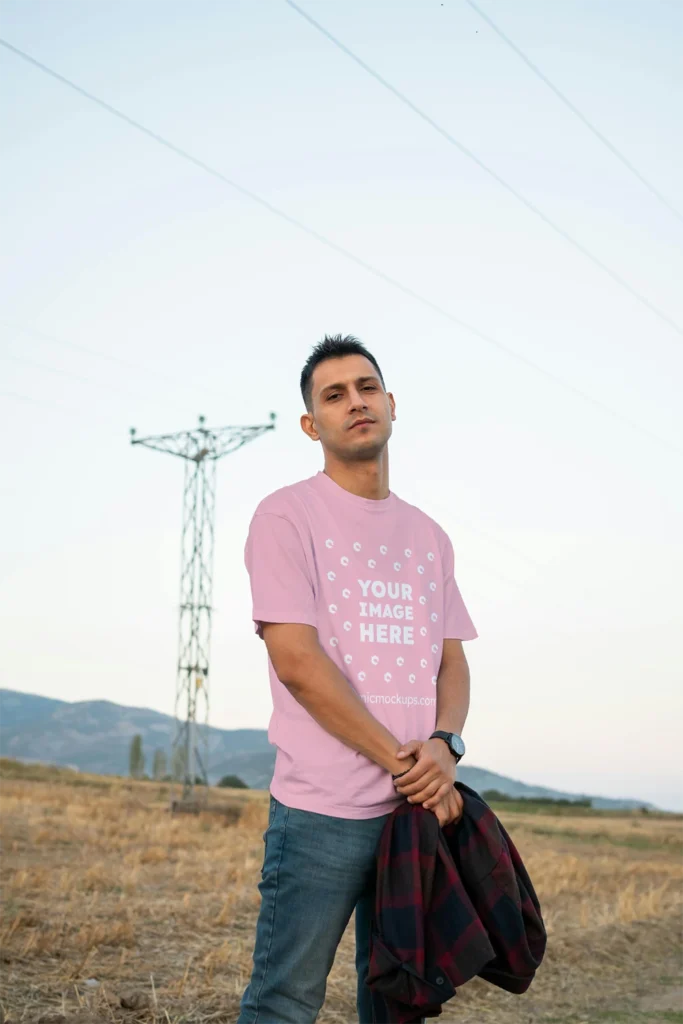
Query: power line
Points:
[492, 538]
[106, 355]
[575, 110]
[622, 282]
[47, 369]
[342, 251]
[22, 360]
[15, 396]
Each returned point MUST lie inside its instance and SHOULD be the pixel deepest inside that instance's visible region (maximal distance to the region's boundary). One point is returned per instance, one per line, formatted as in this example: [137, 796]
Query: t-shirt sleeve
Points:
[281, 584]
[457, 622]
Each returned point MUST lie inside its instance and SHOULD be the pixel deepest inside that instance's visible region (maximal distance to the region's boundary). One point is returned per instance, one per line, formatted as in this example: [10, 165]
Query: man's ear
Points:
[308, 426]
[392, 405]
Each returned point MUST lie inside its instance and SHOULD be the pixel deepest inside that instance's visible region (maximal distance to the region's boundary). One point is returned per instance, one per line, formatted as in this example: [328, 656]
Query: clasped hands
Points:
[430, 781]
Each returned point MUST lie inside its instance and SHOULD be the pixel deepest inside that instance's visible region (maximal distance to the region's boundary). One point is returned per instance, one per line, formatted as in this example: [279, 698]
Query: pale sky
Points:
[566, 522]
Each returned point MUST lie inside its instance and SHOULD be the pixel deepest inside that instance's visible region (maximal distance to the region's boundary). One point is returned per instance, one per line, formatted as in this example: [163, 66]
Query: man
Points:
[355, 598]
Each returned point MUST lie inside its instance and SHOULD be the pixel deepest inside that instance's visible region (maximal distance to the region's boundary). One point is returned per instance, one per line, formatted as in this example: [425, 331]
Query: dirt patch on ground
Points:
[669, 1001]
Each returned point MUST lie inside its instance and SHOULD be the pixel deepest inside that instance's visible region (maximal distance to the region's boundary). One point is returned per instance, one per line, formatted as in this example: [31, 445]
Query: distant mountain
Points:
[94, 736]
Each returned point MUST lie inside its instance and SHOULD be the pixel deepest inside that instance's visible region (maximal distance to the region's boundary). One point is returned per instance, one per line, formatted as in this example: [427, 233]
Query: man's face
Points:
[352, 413]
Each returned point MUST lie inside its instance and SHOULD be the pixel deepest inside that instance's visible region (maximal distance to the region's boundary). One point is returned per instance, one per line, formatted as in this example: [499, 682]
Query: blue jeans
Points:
[316, 870]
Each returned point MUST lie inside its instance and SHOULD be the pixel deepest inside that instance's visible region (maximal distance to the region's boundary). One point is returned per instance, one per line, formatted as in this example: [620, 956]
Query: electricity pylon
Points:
[201, 449]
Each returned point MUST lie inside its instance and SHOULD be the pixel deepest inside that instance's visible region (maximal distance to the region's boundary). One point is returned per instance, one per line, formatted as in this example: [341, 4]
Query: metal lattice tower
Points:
[201, 449]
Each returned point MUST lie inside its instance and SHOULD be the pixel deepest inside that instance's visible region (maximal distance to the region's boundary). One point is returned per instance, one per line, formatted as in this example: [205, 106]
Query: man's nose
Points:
[357, 399]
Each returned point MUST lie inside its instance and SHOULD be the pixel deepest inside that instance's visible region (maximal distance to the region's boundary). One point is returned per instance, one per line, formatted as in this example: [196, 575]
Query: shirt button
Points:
[439, 980]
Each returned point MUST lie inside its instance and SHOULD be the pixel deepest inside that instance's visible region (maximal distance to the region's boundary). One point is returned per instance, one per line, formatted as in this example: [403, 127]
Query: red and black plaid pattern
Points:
[451, 904]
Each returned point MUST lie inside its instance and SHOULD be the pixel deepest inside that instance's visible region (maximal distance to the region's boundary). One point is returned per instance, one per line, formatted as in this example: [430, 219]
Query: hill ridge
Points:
[94, 736]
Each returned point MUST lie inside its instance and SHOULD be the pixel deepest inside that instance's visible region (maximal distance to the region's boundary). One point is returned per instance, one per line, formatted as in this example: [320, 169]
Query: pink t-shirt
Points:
[375, 578]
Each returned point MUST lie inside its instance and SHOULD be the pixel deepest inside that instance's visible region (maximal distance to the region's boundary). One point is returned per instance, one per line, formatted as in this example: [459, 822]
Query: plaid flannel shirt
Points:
[451, 904]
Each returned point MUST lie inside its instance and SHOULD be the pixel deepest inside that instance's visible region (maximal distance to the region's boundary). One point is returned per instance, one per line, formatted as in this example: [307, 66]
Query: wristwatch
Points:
[455, 743]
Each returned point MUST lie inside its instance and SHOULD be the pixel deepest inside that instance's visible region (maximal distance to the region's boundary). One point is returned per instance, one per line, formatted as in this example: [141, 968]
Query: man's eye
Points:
[369, 387]
[330, 397]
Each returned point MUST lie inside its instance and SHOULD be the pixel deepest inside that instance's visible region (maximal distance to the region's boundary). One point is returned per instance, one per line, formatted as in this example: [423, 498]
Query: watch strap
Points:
[440, 734]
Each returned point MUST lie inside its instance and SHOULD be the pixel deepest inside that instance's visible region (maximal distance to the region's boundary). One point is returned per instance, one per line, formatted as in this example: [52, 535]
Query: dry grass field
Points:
[114, 911]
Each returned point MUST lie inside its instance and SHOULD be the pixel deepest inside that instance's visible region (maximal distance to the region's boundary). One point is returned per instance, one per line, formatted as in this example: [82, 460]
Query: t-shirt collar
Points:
[321, 481]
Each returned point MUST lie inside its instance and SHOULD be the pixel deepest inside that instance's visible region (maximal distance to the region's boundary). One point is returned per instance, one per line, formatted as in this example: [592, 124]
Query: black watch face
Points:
[457, 745]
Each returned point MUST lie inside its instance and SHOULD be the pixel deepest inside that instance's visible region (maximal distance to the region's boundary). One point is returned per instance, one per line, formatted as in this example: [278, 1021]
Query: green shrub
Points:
[232, 782]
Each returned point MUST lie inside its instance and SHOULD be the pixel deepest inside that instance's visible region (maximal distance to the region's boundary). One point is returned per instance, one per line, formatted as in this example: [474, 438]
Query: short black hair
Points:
[333, 346]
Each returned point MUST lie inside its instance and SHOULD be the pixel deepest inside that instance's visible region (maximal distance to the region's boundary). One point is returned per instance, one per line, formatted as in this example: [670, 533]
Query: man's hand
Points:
[449, 809]
[431, 779]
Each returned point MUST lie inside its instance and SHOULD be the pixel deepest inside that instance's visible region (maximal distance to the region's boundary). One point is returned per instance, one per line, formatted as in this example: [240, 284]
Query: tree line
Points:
[160, 770]
[495, 796]
[160, 767]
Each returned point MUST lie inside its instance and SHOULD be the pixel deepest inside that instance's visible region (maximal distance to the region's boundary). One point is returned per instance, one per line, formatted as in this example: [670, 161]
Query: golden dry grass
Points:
[107, 897]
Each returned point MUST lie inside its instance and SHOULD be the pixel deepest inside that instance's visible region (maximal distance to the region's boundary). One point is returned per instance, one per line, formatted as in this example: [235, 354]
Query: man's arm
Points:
[452, 688]
[433, 776]
[321, 688]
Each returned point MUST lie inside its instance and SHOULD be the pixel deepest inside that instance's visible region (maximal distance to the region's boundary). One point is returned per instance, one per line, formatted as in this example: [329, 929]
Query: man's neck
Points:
[365, 479]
